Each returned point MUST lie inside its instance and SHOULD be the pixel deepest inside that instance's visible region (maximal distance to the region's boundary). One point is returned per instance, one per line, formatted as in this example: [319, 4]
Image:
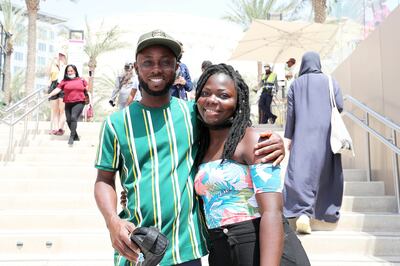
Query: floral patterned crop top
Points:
[228, 190]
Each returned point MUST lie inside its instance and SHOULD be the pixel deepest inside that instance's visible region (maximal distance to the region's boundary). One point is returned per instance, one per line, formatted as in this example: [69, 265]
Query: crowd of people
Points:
[192, 165]
[200, 173]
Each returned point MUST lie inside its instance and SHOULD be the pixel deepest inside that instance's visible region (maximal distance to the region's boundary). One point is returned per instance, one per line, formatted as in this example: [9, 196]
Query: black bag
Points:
[87, 98]
[152, 244]
[52, 86]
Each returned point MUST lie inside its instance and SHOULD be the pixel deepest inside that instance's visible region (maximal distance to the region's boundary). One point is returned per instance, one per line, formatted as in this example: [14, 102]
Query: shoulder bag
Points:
[340, 140]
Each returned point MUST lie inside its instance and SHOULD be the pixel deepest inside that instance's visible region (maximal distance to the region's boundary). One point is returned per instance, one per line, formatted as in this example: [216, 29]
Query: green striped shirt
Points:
[153, 150]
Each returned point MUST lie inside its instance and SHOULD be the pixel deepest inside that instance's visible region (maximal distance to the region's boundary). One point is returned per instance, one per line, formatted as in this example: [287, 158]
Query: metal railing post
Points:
[396, 171]
[37, 115]
[12, 115]
[25, 132]
[10, 149]
[368, 153]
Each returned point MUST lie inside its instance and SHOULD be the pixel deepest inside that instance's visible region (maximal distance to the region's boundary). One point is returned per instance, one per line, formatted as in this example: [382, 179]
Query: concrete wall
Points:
[372, 75]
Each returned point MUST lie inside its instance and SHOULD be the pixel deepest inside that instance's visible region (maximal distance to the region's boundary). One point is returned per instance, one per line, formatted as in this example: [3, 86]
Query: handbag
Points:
[89, 112]
[340, 139]
[152, 244]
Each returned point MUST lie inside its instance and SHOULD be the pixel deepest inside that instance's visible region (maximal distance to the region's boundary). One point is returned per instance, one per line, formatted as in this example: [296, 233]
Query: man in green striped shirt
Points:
[153, 144]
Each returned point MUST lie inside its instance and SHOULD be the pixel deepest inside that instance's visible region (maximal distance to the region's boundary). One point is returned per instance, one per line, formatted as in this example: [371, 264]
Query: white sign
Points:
[76, 55]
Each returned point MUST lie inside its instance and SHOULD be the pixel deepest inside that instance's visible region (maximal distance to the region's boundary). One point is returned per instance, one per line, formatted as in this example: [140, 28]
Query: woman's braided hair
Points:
[240, 119]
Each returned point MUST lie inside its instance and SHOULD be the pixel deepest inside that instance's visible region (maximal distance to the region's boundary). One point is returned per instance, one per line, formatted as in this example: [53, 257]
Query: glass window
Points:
[51, 48]
[42, 47]
[42, 34]
[18, 56]
[41, 60]
[17, 69]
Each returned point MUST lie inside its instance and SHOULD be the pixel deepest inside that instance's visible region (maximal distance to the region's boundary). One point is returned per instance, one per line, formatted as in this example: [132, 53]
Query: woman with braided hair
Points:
[242, 199]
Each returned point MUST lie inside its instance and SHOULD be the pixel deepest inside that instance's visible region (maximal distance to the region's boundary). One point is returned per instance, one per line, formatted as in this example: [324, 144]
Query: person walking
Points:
[124, 85]
[74, 98]
[314, 176]
[57, 121]
[268, 84]
[153, 144]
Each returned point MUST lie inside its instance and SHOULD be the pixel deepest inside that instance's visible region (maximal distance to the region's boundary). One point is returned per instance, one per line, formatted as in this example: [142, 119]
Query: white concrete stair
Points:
[354, 260]
[55, 241]
[350, 243]
[361, 188]
[51, 219]
[47, 195]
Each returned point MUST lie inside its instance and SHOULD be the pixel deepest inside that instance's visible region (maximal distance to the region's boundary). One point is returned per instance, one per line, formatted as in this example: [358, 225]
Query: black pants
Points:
[239, 246]
[264, 107]
[72, 113]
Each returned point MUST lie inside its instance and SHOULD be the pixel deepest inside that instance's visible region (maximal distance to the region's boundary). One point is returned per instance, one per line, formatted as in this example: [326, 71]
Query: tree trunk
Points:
[319, 7]
[32, 7]
[7, 77]
[92, 64]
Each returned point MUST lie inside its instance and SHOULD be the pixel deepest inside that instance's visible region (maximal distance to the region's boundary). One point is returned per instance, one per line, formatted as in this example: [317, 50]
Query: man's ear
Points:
[136, 68]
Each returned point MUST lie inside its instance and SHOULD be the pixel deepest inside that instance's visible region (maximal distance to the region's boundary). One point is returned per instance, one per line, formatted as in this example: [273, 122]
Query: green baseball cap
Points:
[158, 37]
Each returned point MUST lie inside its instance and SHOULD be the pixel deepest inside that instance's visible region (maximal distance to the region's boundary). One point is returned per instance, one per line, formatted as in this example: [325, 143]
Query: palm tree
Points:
[16, 85]
[243, 12]
[32, 7]
[12, 22]
[103, 84]
[98, 43]
[319, 7]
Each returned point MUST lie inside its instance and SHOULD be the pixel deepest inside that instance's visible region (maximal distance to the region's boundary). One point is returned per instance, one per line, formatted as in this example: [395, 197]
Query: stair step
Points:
[74, 242]
[62, 142]
[48, 201]
[56, 150]
[369, 203]
[16, 170]
[60, 259]
[28, 185]
[365, 222]
[87, 158]
[339, 243]
[357, 188]
[51, 219]
[352, 260]
[355, 174]
[71, 163]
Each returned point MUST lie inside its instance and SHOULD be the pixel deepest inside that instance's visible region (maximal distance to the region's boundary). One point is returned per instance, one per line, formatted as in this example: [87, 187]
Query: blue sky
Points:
[76, 12]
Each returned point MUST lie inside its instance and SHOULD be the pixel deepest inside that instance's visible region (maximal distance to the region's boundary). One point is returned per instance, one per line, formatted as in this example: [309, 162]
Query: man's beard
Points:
[145, 87]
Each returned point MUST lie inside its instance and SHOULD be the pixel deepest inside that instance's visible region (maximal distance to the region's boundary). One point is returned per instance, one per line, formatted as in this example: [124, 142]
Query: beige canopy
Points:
[276, 41]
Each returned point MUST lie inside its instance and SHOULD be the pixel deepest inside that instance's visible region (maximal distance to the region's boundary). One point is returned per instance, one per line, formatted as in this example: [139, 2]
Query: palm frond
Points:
[12, 20]
[102, 42]
[243, 12]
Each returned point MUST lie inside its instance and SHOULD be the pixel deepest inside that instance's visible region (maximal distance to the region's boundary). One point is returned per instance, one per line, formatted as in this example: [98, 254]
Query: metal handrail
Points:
[16, 113]
[390, 143]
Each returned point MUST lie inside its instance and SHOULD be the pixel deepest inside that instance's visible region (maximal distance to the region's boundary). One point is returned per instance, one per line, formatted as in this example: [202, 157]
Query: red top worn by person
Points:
[73, 89]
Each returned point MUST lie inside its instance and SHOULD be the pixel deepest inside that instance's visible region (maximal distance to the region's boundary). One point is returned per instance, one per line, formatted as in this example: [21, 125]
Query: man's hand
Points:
[180, 81]
[120, 231]
[273, 148]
